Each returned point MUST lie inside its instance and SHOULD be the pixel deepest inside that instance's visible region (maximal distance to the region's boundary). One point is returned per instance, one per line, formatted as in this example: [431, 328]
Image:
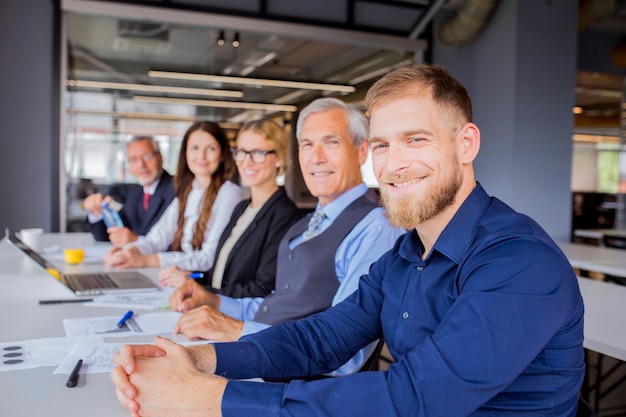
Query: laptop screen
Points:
[17, 242]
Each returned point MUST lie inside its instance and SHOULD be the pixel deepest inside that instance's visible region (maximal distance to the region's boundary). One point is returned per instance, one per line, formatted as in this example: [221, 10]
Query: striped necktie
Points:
[315, 224]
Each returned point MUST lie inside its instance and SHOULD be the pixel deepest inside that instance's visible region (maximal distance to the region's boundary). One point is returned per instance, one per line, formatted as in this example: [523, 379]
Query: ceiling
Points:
[292, 40]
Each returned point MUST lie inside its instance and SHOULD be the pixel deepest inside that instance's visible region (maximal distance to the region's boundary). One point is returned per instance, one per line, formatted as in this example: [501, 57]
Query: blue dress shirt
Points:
[489, 323]
[365, 243]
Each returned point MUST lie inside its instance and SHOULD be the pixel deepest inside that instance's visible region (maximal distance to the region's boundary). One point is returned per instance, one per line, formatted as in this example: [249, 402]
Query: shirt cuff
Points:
[251, 327]
[236, 355]
[230, 307]
[92, 218]
[247, 398]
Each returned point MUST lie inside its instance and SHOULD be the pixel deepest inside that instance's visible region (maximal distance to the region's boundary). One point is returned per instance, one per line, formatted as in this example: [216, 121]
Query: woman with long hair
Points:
[188, 232]
[246, 255]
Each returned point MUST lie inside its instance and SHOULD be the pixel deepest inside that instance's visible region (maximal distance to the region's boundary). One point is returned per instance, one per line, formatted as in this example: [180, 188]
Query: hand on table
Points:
[129, 258]
[191, 295]
[166, 379]
[207, 323]
[172, 276]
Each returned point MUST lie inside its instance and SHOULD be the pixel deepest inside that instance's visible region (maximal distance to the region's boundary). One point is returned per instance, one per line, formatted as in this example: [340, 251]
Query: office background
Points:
[520, 73]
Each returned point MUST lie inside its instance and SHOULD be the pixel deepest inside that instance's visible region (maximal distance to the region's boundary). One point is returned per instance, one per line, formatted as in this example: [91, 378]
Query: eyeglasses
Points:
[146, 157]
[258, 156]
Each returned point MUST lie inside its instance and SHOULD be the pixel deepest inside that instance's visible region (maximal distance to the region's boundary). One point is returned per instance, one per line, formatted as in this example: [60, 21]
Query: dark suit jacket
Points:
[250, 269]
[134, 216]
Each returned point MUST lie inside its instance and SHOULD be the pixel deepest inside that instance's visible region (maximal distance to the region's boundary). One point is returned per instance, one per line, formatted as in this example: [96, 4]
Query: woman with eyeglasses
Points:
[246, 255]
[187, 234]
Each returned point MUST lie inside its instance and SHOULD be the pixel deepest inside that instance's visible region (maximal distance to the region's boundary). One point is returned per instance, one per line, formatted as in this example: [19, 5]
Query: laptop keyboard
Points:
[90, 281]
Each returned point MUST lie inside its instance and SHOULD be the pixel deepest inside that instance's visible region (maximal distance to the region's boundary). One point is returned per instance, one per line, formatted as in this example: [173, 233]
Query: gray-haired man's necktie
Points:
[315, 224]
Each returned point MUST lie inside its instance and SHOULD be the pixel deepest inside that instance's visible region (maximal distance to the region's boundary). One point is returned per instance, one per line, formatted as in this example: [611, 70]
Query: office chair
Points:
[584, 409]
[371, 364]
[617, 242]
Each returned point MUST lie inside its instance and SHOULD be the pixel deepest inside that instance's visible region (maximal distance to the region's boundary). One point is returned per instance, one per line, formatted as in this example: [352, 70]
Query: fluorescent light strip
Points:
[215, 103]
[147, 116]
[251, 81]
[155, 88]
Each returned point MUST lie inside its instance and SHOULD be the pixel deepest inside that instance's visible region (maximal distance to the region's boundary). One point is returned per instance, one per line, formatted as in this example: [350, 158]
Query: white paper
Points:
[35, 353]
[98, 357]
[154, 300]
[139, 323]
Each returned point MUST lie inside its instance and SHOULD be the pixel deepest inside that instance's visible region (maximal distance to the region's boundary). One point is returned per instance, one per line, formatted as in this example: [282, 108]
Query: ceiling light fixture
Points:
[154, 88]
[148, 116]
[220, 39]
[236, 40]
[215, 103]
[252, 81]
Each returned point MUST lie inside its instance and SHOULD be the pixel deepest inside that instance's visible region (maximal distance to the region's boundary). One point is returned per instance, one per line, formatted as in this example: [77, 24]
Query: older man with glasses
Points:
[144, 205]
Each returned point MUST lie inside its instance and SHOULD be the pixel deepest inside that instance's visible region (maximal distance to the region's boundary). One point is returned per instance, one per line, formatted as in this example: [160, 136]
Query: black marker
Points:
[71, 300]
[72, 380]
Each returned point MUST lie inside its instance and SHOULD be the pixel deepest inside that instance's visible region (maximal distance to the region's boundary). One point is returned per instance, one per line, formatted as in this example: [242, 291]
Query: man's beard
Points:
[409, 210]
[147, 180]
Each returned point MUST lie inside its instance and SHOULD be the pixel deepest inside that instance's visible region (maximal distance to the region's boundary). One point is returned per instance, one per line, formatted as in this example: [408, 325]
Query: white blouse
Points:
[162, 233]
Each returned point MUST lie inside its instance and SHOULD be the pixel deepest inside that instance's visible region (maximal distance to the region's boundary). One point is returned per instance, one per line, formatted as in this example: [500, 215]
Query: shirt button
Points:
[265, 309]
[419, 268]
[290, 256]
[405, 315]
[286, 286]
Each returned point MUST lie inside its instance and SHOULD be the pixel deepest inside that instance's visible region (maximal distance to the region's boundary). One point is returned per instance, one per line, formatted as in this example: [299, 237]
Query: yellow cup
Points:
[73, 255]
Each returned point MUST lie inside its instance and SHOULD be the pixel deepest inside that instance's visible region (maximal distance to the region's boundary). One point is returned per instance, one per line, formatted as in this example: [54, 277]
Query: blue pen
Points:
[124, 319]
[196, 275]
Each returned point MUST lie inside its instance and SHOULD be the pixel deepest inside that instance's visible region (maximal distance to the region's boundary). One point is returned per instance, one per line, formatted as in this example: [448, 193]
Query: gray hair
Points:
[357, 122]
[153, 143]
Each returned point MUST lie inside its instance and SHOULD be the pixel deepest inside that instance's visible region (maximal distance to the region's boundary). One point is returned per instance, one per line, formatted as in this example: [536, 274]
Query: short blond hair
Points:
[421, 80]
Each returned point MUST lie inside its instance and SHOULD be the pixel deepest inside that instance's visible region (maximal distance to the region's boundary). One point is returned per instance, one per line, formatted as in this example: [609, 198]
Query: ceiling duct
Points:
[467, 23]
[590, 11]
[142, 37]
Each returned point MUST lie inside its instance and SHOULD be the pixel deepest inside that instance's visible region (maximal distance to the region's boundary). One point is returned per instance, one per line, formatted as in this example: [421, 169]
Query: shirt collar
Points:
[458, 235]
[151, 188]
[333, 209]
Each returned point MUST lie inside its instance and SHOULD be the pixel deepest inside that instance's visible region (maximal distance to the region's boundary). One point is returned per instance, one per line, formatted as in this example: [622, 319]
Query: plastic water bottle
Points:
[111, 217]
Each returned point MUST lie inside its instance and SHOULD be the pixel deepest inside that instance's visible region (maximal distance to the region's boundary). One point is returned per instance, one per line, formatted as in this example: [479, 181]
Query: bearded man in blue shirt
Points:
[479, 308]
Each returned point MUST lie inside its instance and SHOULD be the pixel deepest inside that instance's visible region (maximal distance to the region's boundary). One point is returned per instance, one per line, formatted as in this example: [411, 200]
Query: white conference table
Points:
[38, 392]
[605, 317]
[609, 261]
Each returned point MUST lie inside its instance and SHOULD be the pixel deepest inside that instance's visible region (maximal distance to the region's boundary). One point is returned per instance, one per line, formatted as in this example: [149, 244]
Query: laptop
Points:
[97, 283]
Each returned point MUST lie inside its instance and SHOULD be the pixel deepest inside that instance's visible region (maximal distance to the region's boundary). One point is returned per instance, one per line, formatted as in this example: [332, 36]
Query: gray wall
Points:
[521, 73]
[28, 132]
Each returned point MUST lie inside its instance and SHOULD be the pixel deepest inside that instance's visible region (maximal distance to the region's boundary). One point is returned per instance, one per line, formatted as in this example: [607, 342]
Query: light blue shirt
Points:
[366, 242]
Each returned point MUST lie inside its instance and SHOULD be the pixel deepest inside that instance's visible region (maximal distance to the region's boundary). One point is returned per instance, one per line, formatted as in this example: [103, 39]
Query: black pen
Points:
[72, 380]
[70, 300]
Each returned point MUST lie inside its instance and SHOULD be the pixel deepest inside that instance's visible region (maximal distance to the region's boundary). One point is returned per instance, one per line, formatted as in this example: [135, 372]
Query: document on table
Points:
[142, 323]
[40, 352]
[94, 253]
[153, 300]
[98, 357]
